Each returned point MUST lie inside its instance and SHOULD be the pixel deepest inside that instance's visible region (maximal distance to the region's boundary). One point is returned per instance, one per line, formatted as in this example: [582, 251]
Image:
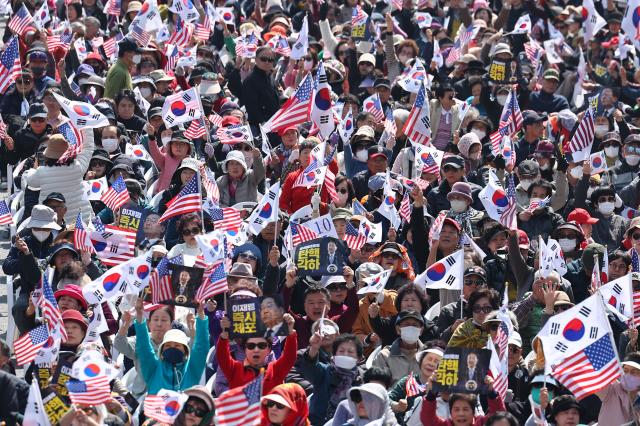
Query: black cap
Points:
[101, 154]
[531, 117]
[475, 65]
[614, 17]
[128, 45]
[179, 136]
[564, 403]
[155, 111]
[382, 82]
[62, 246]
[197, 72]
[376, 150]
[476, 270]
[54, 196]
[37, 110]
[403, 315]
[453, 160]
[127, 168]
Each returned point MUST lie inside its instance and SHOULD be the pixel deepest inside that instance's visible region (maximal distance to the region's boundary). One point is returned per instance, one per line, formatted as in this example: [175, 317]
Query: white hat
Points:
[176, 336]
[327, 280]
[235, 156]
[42, 217]
[515, 339]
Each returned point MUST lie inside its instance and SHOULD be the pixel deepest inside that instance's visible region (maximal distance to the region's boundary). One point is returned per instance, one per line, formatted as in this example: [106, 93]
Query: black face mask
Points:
[173, 356]
[37, 71]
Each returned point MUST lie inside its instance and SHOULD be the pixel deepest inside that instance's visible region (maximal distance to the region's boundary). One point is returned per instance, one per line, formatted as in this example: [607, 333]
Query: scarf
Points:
[464, 219]
[342, 380]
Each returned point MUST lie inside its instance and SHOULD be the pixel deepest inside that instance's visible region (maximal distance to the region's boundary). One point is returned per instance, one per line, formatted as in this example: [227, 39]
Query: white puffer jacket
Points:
[67, 180]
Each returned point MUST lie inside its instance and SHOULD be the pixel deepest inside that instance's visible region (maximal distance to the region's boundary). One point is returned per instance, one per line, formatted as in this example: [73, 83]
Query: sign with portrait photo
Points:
[504, 72]
[185, 281]
[322, 256]
[463, 370]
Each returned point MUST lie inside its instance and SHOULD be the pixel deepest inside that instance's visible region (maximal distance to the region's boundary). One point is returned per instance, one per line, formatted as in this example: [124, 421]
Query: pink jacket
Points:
[165, 163]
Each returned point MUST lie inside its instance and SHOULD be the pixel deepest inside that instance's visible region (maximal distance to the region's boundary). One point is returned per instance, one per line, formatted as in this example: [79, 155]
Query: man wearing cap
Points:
[625, 174]
[533, 124]
[118, 77]
[377, 161]
[453, 171]
[16, 100]
[546, 99]
[579, 271]
[355, 152]
[57, 203]
[37, 62]
[30, 137]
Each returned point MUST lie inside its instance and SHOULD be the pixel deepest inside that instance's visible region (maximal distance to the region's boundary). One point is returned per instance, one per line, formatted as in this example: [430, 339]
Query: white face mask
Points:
[567, 244]
[502, 99]
[612, 151]
[362, 155]
[136, 59]
[458, 206]
[344, 362]
[165, 140]
[41, 235]
[632, 160]
[525, 184]
[110, 144]
[145, 92]
[601, 131]
[576, 172]
[410, 334]
[308, 65]
[606, 208]
[479, 133]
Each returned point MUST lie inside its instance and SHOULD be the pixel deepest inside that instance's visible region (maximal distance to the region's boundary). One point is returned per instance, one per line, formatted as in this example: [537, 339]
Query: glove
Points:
[208, 149]
[315, 201]
[324, 11]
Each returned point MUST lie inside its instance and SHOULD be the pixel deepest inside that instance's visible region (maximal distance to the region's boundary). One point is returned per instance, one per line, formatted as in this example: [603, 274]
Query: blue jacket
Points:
[158, 374]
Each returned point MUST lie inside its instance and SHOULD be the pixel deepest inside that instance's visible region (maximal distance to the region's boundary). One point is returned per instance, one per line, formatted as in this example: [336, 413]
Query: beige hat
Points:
[56, 146]
[367, 57]
[175, 336]
[466, 58]
[562, 298]
[203, 394]
[160, 75]
[501, 48]
[277, 398]
[134, 6]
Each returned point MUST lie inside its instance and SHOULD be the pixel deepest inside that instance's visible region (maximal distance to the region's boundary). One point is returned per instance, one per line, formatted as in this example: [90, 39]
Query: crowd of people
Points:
[496, 143]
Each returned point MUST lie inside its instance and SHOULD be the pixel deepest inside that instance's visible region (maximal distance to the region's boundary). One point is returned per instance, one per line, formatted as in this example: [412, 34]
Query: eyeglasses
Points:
[23, 81]
[343, 190]
[245, 148]
[484, 309]
[190, 409]
[476, 283]
[251, 345]
[337, 287]
[267, 59]
[605, 199]
[191, 231]
[271, 404]
[247, 256]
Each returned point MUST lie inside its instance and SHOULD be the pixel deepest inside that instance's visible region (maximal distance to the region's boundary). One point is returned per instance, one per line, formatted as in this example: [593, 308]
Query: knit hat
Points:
[590, 251]
[56, 147]
[465, 143]
[461, 188]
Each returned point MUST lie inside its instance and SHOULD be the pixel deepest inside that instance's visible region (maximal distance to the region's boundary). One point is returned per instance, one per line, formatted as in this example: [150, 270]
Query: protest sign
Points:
[63, 373]
[503, 71]
[132, 217]
[54, 405]
[245, 317]
[271, 314]
[185, 281]
[322, 256]
[463, 370]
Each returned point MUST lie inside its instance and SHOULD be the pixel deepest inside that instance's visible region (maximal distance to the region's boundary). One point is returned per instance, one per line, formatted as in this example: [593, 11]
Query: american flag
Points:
[510, 121]
[508, 217]
[215, 119]
[280, 45]
[160, 282]
[240, 406]
[5, 214]
[74, 137]
[234, 134]
[405, 207]
[81, 239]
[295, 110]
[301, 234]
[330, 185]
[140, 35]
[21, 21]
[417, 127]
[538, 204]
[247, 45]
[172, 52]
[373, 105]
[430, 165]
[390, 126]
[117, 195]
[215, 283]
[89, 392]
[461, 41]
[9, 64]
[358, 16]
[308, 174]
[197, 129]
[114, 7]
[532, 50]
[358, 208]
[412, 387]
[50, 311]
[62, 40]
[500, 369]
[353, 238]
[590, 369]
[183, 36]
[210, 185]
[583, 137]
[188, 200]
[203, 31]
[226, 218]
[27, 346]
[110, 45]
[114, 245]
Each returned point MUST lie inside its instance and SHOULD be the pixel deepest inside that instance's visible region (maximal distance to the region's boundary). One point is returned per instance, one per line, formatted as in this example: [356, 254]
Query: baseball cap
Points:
[376, 151]
[453, 160]
[551, 74]
[581, 217]
[367, 57]
[523, 240]
[382, 82]
[476, 270]
[128, 45]
[528, 168]
[531, 117]
[54, 196]
[403, 315]
[37, 110]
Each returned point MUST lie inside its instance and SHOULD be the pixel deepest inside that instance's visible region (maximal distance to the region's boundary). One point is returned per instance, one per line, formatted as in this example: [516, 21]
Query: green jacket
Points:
[118, 78]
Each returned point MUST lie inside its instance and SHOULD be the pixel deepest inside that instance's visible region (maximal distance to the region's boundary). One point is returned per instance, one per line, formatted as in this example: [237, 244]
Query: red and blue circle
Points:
[574, 330]
[82, 110]
[227, 16]
[597, 162]
[348, 124]
[232, 232]
[613, 301]
[144, 8]
[110, 282]
[635, 17]
[437, 272]
[172, 407]
[389, 200]
[266, 211]
[142, 271]
[178, 108]
[138, 152]
[499, 198]
[99, 245]
[310, 176]
[92, 370]
[96, 187]
[323, 99]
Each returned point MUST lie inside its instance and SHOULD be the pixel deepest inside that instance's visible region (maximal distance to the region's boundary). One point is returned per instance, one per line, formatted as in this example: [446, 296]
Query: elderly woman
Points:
[240, 182]
[471, 333]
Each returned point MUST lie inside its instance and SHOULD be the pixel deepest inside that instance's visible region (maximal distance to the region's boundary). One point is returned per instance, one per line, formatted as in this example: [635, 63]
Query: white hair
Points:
[553, 275]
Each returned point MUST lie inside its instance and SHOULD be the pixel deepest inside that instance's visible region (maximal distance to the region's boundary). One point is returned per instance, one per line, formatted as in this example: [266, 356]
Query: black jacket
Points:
[257, 93]
[26, 144]
[361, 183]
[437, 198]
[15, 393]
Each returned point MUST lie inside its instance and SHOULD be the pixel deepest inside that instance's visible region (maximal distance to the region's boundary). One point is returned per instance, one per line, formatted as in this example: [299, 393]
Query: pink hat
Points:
[74, 292]
[480, 4]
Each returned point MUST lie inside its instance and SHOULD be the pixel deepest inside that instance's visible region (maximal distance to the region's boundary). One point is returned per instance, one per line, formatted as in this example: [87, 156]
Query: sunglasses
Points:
[342, 52]
[493, 326]
[636, 236]
[631, 149]
[337, 287]
[514, 349]
[37, 119]
[484, 309]
[271, 404]
[23, 81]
[192, 231]
[267, 59]
[190, 409]
[244, 148]
[247, 256]
[476, 283]
[450, 169]
[308, 58]
[251, 345]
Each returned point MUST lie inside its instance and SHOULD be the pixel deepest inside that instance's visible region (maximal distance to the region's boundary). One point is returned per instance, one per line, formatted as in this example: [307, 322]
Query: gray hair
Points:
[553, 275]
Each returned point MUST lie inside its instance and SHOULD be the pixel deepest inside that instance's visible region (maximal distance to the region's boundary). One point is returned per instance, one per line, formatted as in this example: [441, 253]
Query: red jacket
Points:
[428, 415]
[275, 373]
[293, 199]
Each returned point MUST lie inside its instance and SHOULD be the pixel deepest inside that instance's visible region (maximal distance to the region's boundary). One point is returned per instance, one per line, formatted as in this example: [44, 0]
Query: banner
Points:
[502, 71]
[54, 406]
[245, 318]
[322, 256]
[185, 281]
[463, 370]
